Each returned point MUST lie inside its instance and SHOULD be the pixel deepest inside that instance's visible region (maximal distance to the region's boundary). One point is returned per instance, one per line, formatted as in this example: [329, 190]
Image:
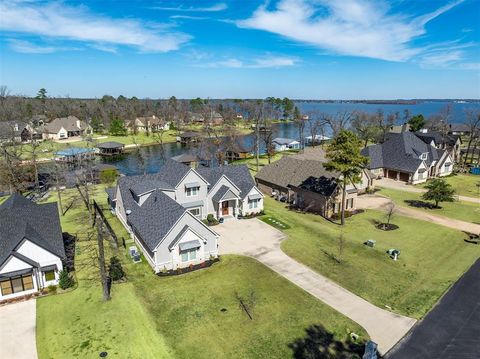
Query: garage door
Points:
[404, 176]
[392, 174]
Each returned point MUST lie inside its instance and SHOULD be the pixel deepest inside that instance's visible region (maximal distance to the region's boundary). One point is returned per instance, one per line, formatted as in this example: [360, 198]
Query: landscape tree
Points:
[344, 156]
[65, 280]
[338, 122]
[288, 106]
[117, 127]
[416, 123]
[365, 126]
[108, 175]
[438, 190]
[41, 95]
[473, 124]
[115, 269]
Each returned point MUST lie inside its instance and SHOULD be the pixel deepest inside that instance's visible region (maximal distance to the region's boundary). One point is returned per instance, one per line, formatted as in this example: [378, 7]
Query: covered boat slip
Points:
[111, 148]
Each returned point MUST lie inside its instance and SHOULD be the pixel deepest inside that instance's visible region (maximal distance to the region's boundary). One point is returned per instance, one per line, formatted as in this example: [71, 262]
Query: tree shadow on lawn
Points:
[421, 204]
[318, 343]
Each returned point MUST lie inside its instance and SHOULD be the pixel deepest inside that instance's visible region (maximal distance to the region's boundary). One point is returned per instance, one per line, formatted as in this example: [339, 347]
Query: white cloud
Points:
[212, 8]
[188, 17]
[256, 63]
[348, 27]
[26, 47]
[60, 21]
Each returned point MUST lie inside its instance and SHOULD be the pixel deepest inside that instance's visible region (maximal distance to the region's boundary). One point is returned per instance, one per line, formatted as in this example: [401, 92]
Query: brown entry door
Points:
[224, 208]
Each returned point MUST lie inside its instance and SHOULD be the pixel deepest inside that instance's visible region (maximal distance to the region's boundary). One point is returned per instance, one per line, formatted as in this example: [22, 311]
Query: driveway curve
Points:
[259, 240]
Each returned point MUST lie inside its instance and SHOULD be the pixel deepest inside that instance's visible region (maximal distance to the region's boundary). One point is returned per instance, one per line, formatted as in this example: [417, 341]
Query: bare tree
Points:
[473, 123]
[338, 122]
[390, 210]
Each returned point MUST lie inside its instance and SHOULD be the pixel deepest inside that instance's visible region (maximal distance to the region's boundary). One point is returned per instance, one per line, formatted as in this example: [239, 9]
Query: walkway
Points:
[380, 202]
[17, 330]
[389, 183]
[451, 330]
[261, 241]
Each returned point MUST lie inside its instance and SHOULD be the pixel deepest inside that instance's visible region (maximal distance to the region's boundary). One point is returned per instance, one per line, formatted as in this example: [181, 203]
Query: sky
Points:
[316, 49]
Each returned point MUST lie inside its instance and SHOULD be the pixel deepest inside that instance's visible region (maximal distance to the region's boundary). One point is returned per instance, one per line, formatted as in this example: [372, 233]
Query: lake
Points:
[149, 159]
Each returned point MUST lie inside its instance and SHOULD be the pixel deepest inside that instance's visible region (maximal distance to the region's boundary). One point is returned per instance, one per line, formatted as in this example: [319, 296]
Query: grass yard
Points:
[464, 184]
[432, 257]
[177, 317]
[251, 162]
[464, 211]
[200, 316]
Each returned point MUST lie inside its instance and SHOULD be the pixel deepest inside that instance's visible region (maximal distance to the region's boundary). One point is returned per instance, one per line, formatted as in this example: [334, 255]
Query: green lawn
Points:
[180, 317]
[188, 312]
[251, 162]
[432, 257]
[464, 184]
[464, 211]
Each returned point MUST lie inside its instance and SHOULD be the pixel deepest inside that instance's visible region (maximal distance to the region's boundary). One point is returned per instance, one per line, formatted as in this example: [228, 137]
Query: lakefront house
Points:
[165, 212]
[408, 158]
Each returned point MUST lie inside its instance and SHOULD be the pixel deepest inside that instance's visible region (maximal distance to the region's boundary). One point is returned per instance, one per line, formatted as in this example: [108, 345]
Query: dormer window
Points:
[424, 156]
[192, 189]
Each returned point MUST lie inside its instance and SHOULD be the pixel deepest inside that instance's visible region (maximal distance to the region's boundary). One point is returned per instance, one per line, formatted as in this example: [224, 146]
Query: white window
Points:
[193, 191]
[253, 203]
[424, 156]
[195, 211]
[189, 255]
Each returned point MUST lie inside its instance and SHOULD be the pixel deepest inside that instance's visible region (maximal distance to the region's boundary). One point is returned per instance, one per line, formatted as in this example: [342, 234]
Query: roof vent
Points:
[128, 212]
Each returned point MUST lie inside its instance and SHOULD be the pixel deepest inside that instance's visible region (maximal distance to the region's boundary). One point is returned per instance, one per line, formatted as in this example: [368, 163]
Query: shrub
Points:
[66, 281]
[210, 218]
[52, 289]
[115, 270]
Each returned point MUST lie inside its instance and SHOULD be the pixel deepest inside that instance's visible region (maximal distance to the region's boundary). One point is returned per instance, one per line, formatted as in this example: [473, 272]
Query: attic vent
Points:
[128, 212]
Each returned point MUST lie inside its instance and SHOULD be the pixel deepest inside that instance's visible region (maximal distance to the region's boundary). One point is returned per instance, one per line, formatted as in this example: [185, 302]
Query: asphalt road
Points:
[451, 329]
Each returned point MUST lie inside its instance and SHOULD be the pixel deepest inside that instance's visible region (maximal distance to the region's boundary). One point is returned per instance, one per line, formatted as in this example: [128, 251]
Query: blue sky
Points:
[317, 49]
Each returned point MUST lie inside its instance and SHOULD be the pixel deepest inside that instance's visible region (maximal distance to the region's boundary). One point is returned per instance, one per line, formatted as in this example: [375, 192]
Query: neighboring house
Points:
[31, 246]
[18, 131]
[459, 129]
[405, 157]
[450, 143]
[319, 139]
[214, 118]
[149, 123]
[237, 151]
[284, 144]
[65, 127]
[164, 211]
[306, 184]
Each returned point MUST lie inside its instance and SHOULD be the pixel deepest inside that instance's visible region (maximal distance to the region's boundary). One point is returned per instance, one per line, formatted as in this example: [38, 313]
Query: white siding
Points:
[13, 264]
[39, 255]
[244, 204]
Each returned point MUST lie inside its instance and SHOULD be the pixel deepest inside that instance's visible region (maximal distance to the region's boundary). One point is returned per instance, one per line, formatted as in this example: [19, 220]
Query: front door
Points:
[225, 208]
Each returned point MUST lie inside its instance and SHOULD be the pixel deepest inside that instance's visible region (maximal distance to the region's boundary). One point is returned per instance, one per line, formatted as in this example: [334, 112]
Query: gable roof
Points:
[11, 129]
[21, 218]
[401, 152]
[68, 123]
[223, 192]
[293, 171]
[239, 175]
[437, 138]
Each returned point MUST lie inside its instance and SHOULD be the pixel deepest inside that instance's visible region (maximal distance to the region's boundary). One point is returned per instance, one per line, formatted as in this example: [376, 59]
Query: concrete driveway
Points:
[17, 330]
[259, 240]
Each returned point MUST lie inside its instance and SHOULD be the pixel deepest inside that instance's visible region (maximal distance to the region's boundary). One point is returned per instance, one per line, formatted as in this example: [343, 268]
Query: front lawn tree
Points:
[438, 191]
[344, 157]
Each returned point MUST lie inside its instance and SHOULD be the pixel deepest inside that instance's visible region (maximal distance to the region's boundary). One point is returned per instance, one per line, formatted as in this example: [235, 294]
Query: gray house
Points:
[406, 157]
[164, 211]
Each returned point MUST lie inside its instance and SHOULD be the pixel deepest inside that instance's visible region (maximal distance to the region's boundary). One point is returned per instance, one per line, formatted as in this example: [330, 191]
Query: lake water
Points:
[149, 159]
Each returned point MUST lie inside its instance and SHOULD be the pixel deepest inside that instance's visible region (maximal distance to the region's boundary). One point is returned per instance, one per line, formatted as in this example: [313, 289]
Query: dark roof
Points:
[112, 193]
[154, 219]
[111, 144]
[185, 158]
[220, 193]
[69, 123]
[292, 171]
[172, 172]
[21, 218]
[149, 184]
[401, 152]
[190, 134]
[459, 127]
[438, 138]
[322, 185]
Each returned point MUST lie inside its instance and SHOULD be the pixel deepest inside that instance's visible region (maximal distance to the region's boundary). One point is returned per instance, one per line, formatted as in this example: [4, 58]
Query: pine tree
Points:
[65, 281]
[438, 191]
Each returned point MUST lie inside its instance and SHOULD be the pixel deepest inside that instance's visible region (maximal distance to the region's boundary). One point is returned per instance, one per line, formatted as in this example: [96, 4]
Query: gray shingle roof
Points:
[283, 141]
[401, 151]
[7, 129]
[149, 184]
[20, 218]
[154, 219]
[110, 144]
[239, 175]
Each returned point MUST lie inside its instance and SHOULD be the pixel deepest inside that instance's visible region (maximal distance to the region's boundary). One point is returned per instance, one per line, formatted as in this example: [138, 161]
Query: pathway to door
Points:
[261, 241]
[17, 330]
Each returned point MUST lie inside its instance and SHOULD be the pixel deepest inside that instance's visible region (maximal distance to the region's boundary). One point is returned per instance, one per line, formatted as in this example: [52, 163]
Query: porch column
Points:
[236, 208]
